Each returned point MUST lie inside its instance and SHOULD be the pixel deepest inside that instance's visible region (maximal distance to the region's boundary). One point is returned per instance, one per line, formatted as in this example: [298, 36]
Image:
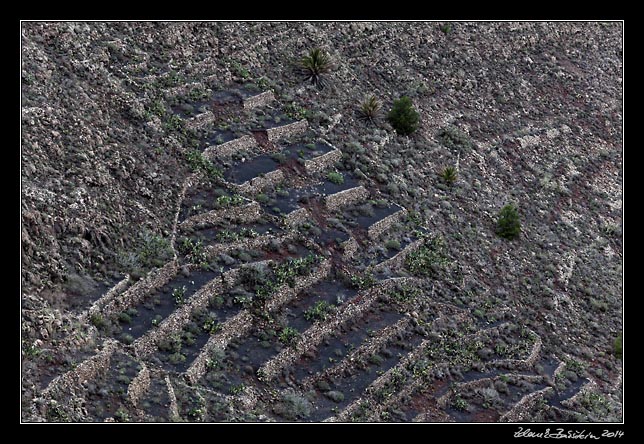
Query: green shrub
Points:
[370, 108]
[403, 117]
[454, 138]
[314, 66]
[98, 321]
[293, 406]
[449, 175]
[288, 335]
[617, 346]
[318, 312]
[335, 177]
[445, 28]
[392, 244]
[508, 225]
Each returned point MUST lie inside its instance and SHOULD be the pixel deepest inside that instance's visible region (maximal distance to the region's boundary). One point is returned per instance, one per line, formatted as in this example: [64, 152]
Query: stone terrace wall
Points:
[318, 332]
[230, 147]
[383, 225]
[86, 370]
[399, 258]
[200, 120]
[139, 385]
[350, 247]
[135, 294]
[242, 214]
[237, 326]
[108, 297]
[322, 162]
[346, 197]
[283, 131]
[257, 184]
[146, 345]
[259, 100]
[297, 217]
[521, 411]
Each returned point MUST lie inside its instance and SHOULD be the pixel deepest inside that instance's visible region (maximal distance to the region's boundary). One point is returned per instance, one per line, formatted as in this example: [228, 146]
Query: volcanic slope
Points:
[207, 237]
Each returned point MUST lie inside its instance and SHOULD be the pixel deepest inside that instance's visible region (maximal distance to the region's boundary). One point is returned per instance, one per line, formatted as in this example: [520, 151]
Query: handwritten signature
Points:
[566, 434]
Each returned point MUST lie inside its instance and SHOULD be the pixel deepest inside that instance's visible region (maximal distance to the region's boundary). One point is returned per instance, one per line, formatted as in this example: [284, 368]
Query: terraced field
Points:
[296, 288]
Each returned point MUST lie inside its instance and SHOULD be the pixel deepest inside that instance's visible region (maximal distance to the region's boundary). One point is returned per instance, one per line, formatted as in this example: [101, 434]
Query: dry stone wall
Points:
[346, 197]
[284, 131]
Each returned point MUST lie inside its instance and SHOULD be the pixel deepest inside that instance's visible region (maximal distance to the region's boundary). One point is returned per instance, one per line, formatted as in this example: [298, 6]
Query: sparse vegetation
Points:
[295, 111]
[403, 117]
[197, 162]
[508, 225]
[178, 295]
[318, 312]
[392, 244]
[293, 406]
[429, 258]
[315, 66]
[229, 201]
[194, 251]
[459, 403]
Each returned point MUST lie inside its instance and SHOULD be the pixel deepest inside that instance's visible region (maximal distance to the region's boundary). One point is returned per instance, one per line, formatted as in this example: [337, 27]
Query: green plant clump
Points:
[198, 162]
[455, 139]
[318, 312]
[288, 335]
[370, 108]
[617, 347]
[449, 175]
[403, 117]
[335, 177]
[315, 66]
[508, 225]
[429, 258]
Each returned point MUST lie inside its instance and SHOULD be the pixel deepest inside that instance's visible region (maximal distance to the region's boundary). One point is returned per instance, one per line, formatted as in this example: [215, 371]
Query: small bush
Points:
[508, 225]
[403, 117]
[370, 108]
[392, 244]
[98, 321]
[314, 66]
[449, 175]
[293, 406]
[454, 138]
[335, 177]
[288, 335]
[318, 312]
[261, 198]
[617, 347]
[445, 28]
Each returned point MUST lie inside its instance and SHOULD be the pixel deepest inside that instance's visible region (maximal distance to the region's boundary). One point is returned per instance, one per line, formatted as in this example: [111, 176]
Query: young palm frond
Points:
[449, 175]
[370, 108]
[314, 66]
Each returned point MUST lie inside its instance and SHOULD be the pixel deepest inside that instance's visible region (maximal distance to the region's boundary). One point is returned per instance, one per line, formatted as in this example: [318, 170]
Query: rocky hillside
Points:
[117, 176]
